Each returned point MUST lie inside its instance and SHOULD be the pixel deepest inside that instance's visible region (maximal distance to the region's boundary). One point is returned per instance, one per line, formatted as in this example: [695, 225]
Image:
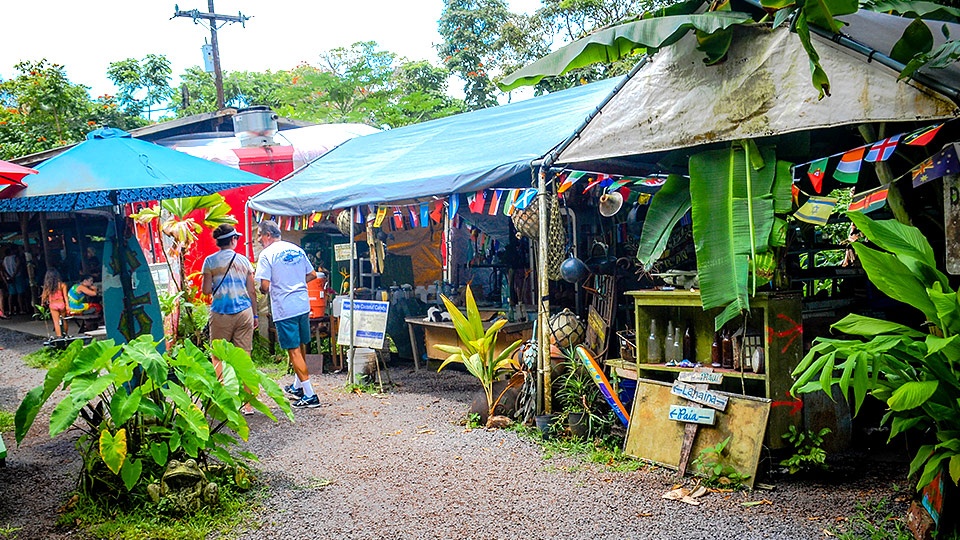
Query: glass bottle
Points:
[688, 352]
[677, 345]
[668, 344]
[715, 355]
[726, 353]
[653, 345]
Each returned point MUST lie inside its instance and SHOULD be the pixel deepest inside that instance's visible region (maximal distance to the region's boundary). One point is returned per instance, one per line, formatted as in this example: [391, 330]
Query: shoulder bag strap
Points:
[229, 266]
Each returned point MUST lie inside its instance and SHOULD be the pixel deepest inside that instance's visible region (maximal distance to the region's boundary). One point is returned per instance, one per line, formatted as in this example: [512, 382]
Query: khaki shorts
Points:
[236, 328]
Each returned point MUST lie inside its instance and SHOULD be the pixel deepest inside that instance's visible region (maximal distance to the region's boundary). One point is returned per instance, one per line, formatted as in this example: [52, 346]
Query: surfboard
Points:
[144, 314]
[606, 389]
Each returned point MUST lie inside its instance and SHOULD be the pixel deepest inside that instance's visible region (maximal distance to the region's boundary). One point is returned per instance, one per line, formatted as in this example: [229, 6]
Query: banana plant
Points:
[478, 350]
[914, 372]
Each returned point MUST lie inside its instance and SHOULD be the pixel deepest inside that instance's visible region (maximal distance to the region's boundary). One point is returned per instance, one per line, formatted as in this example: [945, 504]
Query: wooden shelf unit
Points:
[774, 315]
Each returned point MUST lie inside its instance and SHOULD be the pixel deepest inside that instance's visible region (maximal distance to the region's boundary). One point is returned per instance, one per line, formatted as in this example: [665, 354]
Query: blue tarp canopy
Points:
[456, 154]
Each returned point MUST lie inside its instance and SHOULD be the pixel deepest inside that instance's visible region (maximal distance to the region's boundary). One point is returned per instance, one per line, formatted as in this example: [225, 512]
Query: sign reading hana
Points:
[695, 377]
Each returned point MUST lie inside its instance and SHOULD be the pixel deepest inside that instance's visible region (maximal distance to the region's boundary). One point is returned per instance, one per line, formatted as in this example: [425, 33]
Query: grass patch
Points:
[878, 519]
[6, 422]
[9, 532]
[43, 358]
[606, 451]
[101, 519]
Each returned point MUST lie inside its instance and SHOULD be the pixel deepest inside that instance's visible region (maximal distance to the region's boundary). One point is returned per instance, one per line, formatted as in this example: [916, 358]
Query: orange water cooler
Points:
[316, 290]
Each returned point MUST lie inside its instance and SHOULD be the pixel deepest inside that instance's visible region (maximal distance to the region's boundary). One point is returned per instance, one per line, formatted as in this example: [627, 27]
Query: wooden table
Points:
[444, 333]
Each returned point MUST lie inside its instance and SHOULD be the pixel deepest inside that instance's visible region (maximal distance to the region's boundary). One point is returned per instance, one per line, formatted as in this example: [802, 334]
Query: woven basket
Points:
[566, 330]
[343, 223]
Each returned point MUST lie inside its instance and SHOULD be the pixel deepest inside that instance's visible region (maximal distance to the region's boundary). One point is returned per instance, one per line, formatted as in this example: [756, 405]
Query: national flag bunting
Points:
[424, 214]
[397, 217]
[525, 198]
[476, 201]
[569, 180]
[454, 205]
[494, 202]
[509, 201]
[881, 151]
[816, 210]
[868, 201]
[381, 214]
[414, 217]
[358, 215]
[816, 173]
[923, 136]
[939, 165]
[436, 213]
[599, 181]
[848, 170]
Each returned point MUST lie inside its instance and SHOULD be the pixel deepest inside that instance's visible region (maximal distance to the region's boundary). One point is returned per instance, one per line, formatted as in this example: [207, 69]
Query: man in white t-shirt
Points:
[284, 270]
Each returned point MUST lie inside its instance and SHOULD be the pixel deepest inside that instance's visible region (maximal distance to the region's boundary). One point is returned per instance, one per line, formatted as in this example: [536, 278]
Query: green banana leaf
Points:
[611, 44]
[666, 208]
[729, 226]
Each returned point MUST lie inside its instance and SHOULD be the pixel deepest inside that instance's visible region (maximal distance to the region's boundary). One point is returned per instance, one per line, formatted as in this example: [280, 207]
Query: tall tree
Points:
[141, 83]
[471, 45]
[41, 109]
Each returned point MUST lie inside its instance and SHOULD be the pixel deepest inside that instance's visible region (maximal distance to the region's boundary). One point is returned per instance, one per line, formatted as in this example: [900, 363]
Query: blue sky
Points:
[86, 36]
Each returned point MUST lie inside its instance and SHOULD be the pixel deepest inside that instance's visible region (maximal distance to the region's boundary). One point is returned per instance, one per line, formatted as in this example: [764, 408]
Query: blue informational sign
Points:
[369, 323]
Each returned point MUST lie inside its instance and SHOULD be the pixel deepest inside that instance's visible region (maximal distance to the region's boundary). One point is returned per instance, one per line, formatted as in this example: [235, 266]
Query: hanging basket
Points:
[527, 221]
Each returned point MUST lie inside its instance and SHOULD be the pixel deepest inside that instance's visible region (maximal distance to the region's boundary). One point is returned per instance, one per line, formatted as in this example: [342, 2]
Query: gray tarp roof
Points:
[460, 153]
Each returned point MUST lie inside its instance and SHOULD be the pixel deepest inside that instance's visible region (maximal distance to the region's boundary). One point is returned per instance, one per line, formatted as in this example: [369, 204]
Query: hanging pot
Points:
[600, 261]
[573, 270]
[566, 330]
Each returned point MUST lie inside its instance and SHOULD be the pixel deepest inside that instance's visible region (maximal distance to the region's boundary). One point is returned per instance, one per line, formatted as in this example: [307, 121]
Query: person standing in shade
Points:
[228, 278]
[284, 271]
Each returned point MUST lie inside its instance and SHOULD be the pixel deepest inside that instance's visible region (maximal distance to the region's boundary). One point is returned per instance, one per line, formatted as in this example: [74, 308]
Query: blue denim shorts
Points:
[293, 332]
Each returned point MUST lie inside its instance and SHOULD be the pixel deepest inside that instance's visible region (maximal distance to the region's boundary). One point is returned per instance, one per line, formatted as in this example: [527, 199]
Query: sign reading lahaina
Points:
[704, 397]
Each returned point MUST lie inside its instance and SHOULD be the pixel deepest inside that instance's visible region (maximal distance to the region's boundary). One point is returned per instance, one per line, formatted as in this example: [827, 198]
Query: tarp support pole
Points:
[544, 384]
[353, 247]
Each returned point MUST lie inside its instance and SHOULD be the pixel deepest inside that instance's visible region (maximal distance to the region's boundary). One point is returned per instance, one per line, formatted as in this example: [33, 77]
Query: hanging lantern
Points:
[566, 330]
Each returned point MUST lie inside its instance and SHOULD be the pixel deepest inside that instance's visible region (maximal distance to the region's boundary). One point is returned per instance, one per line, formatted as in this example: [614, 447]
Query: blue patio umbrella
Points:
[111, 169]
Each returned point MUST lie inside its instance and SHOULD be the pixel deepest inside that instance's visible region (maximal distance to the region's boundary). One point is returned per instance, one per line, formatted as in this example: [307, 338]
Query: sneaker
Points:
[293, 393]
[311, 402]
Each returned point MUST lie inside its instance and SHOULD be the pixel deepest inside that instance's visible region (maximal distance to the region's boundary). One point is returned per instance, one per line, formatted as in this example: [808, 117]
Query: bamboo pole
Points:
[543, 295]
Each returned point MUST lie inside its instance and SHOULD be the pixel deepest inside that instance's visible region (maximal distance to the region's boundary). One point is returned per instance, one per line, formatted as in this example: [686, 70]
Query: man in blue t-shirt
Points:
[284, 270]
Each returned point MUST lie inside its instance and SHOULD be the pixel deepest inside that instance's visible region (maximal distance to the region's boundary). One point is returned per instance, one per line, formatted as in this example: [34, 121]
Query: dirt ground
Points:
[401, 465]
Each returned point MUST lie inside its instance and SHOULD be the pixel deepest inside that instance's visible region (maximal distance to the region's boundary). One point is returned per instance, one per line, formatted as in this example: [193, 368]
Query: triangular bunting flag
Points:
[848, 170]
[476, 202]
[816, 210]
[816, 173]
[923, 136]
[868, 201]
[881, 151]
[939, 165]
[436, 214]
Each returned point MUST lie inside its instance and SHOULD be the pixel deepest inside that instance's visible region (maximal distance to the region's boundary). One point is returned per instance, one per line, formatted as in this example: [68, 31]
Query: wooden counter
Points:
[444, 333]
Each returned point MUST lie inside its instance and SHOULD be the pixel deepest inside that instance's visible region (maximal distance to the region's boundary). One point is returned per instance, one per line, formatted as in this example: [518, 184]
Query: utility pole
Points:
[213, 19]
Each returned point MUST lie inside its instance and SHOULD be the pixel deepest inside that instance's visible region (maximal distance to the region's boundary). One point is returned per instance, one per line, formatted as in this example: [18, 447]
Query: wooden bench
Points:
[84, 322]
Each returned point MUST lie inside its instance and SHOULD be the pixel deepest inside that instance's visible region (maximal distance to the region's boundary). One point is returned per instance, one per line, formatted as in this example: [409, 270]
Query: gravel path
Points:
[398, 465]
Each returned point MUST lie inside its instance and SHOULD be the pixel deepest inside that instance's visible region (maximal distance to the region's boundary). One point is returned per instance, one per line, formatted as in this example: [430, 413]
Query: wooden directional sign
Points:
[704, 397]
[693, 415]
[700, 377]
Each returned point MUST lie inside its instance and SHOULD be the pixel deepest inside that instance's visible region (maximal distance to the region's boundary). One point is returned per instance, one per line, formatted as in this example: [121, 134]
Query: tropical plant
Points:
[177, 220]
[138, 408]
[478, 350]
[807, 452]
[734, 196]
[712, 463]
[913, 372]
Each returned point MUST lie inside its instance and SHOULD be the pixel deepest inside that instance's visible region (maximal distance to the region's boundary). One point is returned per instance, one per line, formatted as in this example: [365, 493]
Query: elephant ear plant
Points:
[913, 372]
[478, 350]
[137, 409]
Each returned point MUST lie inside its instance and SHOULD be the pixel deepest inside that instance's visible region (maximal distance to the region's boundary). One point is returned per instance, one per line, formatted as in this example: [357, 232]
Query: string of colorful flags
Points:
[567, 179]
[817, 208]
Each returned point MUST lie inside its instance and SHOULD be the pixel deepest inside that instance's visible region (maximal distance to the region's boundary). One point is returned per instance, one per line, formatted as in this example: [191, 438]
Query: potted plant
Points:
[478, 352]
[577, 394]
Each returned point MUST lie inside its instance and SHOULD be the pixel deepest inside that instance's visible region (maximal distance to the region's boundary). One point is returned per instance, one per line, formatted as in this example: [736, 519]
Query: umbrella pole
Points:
[350, 350]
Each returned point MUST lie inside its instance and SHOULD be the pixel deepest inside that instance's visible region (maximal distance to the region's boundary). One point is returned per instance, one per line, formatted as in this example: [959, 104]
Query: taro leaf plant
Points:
[914, 372]
[477, 351]
[137, 408]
